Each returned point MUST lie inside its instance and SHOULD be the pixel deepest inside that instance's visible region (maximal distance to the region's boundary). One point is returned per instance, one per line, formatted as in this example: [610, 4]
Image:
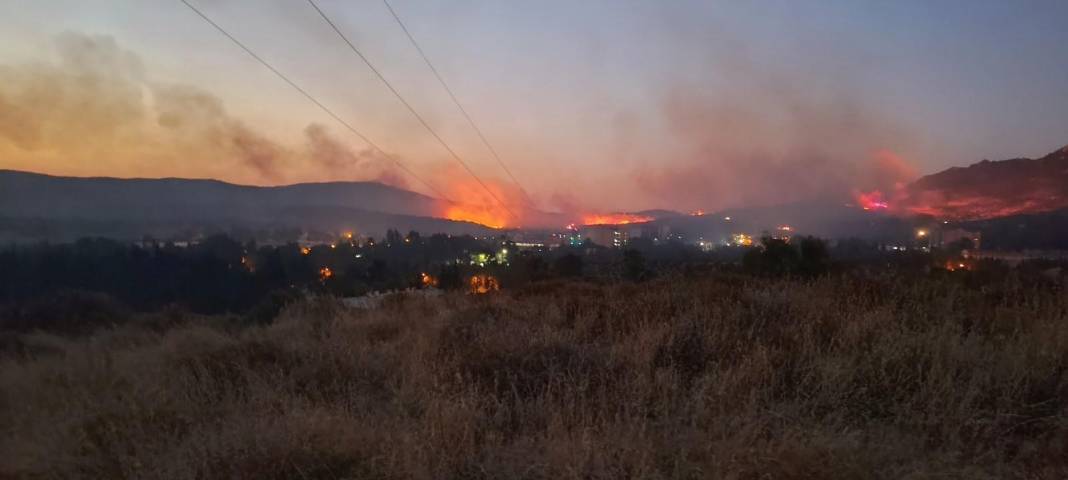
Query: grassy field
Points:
[722, 376]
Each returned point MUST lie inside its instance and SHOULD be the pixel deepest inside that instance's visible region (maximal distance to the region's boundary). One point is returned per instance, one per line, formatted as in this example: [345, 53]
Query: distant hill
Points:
[35, 206]
[991, 189]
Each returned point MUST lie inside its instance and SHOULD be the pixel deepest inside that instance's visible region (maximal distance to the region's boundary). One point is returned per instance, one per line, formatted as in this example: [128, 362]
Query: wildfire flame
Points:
[980, 207]
[483, 283]
[872, 200]
[480, 201]
[488, 217]
[614, 219]
[889, 174]
[954, 265]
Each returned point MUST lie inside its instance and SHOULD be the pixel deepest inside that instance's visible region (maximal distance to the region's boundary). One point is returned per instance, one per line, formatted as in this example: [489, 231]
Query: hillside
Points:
[35, 206]
[991, 189]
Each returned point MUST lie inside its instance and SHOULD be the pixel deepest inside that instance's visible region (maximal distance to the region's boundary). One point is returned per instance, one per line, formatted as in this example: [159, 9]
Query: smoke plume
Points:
[93, 111]
[761, 139]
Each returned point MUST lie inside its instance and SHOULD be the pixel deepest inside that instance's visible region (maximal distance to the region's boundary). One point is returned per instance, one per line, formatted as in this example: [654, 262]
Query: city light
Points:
[742, 239]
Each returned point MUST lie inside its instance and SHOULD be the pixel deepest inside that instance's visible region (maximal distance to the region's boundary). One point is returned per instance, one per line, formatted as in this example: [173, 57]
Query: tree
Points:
[393, 237]
[814, 256]
[569, 265]
[377, 272]
[774, 256]
[450, 278]
[634, 265]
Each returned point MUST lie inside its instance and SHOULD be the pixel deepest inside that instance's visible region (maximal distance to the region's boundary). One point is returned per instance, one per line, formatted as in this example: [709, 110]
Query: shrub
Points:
[722, 375]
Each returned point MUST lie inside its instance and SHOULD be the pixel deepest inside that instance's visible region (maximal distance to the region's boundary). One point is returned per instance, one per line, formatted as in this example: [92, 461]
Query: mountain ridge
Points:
[159, 206]
[992, 188]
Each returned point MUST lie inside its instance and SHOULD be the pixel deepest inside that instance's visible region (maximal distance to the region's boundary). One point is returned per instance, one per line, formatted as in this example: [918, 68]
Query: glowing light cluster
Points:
[742, 239]
[483, 283]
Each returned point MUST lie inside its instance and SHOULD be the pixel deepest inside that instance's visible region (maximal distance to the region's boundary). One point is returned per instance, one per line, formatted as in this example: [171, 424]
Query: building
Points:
[605, 235]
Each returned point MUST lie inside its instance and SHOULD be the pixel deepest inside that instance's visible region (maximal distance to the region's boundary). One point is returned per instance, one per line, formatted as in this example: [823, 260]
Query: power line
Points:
[426, 125]
[315, 101]
[455, 101]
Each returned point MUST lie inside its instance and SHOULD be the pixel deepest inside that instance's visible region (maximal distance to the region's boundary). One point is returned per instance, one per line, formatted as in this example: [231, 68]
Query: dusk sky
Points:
[592, 104]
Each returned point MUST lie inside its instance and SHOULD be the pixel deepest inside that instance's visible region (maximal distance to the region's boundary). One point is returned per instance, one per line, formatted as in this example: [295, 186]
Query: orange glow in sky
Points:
[490, 217]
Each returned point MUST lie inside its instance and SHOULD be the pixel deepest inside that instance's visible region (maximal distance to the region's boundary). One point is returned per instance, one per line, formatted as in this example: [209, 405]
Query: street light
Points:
[921, 233]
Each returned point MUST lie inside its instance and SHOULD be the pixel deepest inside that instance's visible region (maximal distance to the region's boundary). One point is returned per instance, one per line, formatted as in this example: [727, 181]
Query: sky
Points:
[593, 105]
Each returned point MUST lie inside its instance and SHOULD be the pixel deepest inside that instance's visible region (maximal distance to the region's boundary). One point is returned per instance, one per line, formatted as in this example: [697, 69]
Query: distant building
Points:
[606, 235]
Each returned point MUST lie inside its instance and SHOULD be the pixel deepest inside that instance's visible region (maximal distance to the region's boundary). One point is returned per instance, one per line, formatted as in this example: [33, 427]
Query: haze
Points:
[594, 105]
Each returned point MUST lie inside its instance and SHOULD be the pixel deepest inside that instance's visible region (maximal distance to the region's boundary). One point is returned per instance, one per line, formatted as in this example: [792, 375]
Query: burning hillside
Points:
[486, 216]
[990, 189]
[614, 219]
[873, 200]
[485, 201]
[981, 191]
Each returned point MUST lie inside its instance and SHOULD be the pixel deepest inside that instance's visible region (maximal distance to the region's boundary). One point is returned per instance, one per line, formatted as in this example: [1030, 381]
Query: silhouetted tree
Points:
[393, 237]
[450, 278]
[814, 256]
[378, 272]
[773, 256]
[634, 265]
[569, 265]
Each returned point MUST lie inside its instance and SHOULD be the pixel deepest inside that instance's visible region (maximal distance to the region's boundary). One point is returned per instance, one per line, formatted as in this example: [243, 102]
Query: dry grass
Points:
[724, 377]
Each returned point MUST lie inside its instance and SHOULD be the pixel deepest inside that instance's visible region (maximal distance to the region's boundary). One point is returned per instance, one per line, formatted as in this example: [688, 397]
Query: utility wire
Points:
[411, 109]
[315, 101]
[455, 101]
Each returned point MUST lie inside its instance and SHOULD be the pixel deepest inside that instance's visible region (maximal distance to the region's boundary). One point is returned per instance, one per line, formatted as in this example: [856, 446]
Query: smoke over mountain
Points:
[95, 110]
[759, 137]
